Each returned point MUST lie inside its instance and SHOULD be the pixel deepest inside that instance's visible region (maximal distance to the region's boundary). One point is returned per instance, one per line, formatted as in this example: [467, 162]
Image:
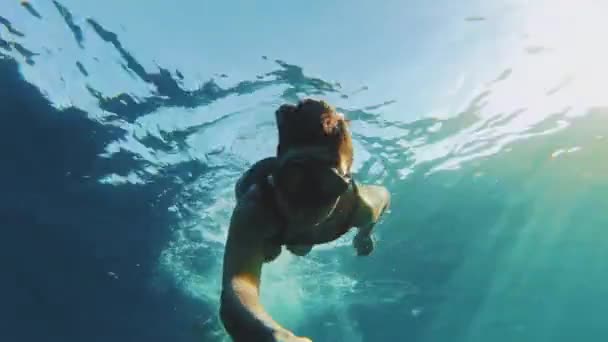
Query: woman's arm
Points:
[240, 309]
[373, 201]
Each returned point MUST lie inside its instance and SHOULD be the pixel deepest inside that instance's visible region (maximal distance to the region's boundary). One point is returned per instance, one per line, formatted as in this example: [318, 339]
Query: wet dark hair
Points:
[311, 124]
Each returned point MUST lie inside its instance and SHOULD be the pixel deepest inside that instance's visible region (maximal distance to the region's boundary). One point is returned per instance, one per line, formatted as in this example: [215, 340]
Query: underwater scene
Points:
[124, 126]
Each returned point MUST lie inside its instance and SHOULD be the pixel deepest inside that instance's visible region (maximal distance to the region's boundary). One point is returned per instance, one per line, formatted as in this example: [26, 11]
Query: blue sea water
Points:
[117, 177]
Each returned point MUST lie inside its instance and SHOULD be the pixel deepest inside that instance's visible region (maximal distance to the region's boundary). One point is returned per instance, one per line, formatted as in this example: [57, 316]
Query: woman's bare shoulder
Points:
[252, 225]
[253, 175]
[373, 201]
[252, 216]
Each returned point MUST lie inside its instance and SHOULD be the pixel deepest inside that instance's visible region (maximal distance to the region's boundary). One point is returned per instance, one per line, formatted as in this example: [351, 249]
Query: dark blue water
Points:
[63, 231]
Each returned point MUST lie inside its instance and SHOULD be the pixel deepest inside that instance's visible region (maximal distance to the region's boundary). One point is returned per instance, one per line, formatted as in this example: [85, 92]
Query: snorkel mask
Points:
[310, 179]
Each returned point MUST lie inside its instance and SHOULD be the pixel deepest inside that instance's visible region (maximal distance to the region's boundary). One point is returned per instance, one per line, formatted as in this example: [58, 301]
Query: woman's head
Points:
[315, 153]
[315, 124]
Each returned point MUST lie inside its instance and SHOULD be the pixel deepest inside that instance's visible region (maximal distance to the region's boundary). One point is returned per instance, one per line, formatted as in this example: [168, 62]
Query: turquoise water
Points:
[125, 127]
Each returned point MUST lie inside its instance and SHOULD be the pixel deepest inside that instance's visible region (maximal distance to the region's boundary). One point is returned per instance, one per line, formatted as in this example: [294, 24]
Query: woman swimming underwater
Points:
[302, 197]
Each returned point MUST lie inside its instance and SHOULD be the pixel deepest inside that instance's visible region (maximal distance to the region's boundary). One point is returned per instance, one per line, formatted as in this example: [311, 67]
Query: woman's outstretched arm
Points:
[241, 312]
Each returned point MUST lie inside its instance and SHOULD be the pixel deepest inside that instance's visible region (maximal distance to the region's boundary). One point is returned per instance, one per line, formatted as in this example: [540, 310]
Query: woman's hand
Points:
[363, 243]
[288, 336]
[299, 339]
